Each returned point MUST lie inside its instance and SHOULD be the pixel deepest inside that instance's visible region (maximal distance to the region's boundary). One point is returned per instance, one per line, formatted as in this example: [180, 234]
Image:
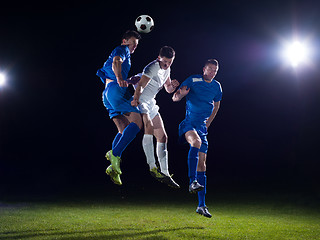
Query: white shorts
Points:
[149, 107]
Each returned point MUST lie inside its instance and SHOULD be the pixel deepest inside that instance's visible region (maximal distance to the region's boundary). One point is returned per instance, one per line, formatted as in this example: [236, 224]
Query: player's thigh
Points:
[121, 122]
[159, 130]
[202, 162]
[193, 138]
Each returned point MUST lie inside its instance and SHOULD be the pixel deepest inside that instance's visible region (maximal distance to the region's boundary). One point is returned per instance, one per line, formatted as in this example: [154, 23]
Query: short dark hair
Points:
[167, 52]
[131, 33]
[212, 61]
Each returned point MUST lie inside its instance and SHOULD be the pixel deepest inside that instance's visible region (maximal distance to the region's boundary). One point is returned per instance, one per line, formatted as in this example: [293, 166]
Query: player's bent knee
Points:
[163, 139]
[121, 123]
[196, 143]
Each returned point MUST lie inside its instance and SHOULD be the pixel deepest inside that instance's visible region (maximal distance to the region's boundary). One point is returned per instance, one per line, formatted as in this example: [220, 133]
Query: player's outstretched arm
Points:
[139, 89]
[180, 93]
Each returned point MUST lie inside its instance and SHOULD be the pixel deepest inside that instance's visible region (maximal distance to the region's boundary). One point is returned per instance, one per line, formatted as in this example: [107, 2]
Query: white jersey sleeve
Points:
[151, 70]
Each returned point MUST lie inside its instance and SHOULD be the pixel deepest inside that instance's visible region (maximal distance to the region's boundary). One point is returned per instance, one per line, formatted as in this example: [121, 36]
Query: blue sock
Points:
[116, 140]
[128, 135]
[192, 163]
[202, 179]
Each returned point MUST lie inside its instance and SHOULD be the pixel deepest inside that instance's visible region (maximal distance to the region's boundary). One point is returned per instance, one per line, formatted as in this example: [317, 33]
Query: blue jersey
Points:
[107, 72]
[201, 97]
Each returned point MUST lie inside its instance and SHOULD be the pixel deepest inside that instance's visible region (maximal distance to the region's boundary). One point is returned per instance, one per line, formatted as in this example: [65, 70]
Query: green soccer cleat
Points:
[115, 162]
[115, 177]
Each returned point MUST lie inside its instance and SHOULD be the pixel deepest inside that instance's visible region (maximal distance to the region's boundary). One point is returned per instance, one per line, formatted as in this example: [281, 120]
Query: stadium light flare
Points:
[2, 79]
[296, 53]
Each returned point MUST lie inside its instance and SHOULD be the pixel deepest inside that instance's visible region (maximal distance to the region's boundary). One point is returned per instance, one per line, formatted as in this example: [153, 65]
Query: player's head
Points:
[131, 38]
[166, 57]
[210, 69]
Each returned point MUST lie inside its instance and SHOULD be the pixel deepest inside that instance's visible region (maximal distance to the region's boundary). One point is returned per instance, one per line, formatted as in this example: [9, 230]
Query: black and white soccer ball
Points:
[144, 23]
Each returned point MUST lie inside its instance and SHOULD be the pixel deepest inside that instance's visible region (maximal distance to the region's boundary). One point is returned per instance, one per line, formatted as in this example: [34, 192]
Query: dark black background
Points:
[54, 129]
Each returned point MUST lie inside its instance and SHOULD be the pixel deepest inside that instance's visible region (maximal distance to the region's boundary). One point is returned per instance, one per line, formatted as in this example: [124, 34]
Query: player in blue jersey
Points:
[117, 99]
[203, 96]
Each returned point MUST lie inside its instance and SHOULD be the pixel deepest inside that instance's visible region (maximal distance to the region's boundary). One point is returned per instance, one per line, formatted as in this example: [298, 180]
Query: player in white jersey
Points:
[155, 76]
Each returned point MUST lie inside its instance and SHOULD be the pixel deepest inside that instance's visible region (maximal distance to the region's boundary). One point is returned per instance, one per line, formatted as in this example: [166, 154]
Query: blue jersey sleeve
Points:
[121, 52]
[218, 96]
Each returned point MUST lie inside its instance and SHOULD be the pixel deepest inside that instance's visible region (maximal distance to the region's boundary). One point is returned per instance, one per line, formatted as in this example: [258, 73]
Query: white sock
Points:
[148, 148]
[162, 154]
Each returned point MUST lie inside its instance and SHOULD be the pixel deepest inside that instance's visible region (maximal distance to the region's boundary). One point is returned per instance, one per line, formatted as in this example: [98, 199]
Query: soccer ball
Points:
[144, 24]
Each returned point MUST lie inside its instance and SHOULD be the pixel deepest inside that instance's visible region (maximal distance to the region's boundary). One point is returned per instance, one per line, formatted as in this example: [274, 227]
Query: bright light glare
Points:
[296, 53]
[2, 79]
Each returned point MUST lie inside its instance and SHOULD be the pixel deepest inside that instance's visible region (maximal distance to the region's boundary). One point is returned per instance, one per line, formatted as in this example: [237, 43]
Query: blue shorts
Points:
[117, 100]
[188, 125]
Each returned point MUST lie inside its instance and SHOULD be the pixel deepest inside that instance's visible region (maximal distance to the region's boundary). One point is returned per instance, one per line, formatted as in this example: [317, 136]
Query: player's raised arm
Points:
[171, 85]
[116, 67]
[180, 93]
[140, 86]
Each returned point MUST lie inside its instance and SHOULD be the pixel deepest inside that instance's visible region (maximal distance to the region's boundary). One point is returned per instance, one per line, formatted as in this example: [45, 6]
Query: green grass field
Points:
[234, 217]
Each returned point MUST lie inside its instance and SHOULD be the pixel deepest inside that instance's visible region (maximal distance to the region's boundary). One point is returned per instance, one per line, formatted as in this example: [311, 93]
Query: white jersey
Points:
[157, 76]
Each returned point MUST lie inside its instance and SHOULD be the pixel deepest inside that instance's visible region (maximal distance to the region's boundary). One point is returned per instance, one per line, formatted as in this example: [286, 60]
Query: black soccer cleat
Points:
[157, 174]
[170, 182]
[203, 211]
[195, 187]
